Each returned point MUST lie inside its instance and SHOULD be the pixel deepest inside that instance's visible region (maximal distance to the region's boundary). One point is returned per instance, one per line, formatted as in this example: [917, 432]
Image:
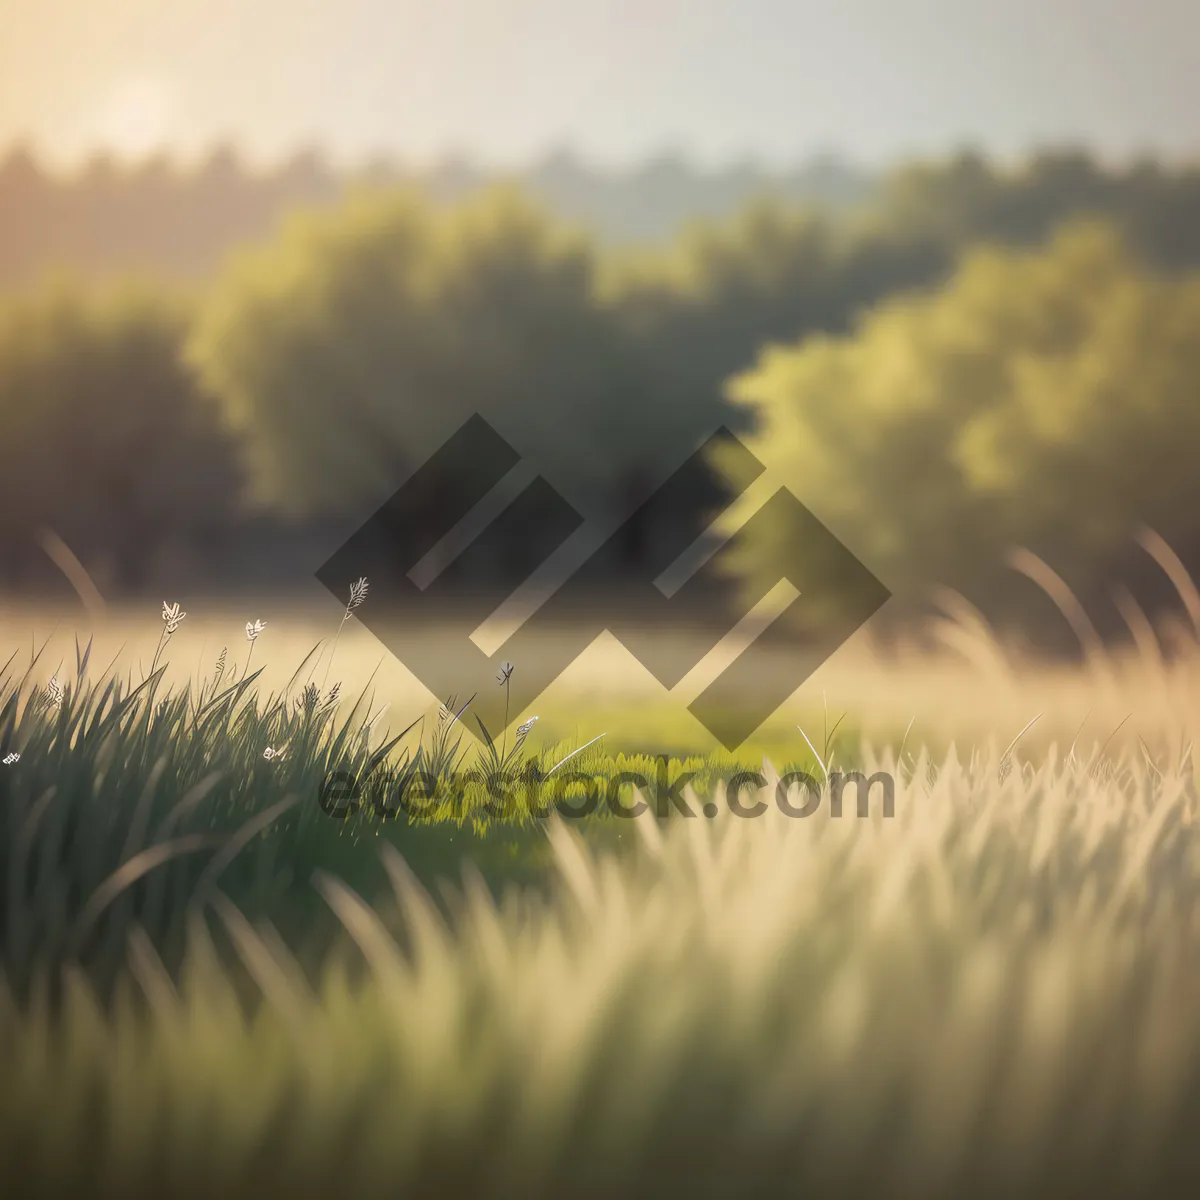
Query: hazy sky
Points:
[506, 80]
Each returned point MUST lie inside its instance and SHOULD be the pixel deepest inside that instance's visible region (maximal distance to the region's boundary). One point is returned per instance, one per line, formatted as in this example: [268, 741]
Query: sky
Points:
[506, 81]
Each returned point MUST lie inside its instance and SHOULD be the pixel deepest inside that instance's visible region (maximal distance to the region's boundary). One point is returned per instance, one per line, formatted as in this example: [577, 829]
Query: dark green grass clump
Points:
[127, 805]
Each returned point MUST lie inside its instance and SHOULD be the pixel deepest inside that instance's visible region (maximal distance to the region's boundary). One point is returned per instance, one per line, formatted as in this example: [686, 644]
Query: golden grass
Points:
[1001, 985]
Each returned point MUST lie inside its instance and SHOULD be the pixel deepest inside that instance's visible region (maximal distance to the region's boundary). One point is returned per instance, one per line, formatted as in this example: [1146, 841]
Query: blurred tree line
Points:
[1043, 398]
[965, 358]
[107, 217]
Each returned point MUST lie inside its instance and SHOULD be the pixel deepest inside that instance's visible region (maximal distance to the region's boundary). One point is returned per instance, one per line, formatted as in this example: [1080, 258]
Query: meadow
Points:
[211, 987]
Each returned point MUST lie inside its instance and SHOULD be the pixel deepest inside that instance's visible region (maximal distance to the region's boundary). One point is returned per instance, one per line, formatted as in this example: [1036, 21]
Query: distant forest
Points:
[233, 368]
[156, 217]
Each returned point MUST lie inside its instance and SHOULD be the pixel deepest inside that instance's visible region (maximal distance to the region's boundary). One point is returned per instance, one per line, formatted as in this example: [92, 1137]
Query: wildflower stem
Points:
[333, 650]
[504, 737]
[358, 593]
[162, 638]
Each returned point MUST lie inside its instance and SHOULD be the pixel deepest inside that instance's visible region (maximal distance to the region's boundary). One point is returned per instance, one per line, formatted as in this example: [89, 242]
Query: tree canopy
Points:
[1042, 398]
[355, 342]
[105, 436]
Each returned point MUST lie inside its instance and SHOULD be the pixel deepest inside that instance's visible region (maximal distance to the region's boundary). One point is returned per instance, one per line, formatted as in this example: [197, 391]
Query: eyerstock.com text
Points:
[418, 795]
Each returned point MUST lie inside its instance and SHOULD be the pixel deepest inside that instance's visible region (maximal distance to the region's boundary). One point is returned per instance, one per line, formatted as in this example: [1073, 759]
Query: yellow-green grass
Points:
[995, 991]
[967, 687]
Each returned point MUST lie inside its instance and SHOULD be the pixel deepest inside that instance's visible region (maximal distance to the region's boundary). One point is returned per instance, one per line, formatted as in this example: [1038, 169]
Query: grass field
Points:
[213, 988]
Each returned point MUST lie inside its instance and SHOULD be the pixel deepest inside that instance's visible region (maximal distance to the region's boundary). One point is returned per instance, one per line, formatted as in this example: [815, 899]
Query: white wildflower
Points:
[253, 629]
[9, 759]
[172, 615]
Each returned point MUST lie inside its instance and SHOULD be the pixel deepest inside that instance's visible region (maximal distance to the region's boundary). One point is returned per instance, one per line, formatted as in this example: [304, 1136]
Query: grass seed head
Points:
[358, 593]
[172, 616]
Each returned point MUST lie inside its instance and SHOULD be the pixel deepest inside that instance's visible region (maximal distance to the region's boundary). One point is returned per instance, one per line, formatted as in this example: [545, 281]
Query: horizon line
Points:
[183, 162]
